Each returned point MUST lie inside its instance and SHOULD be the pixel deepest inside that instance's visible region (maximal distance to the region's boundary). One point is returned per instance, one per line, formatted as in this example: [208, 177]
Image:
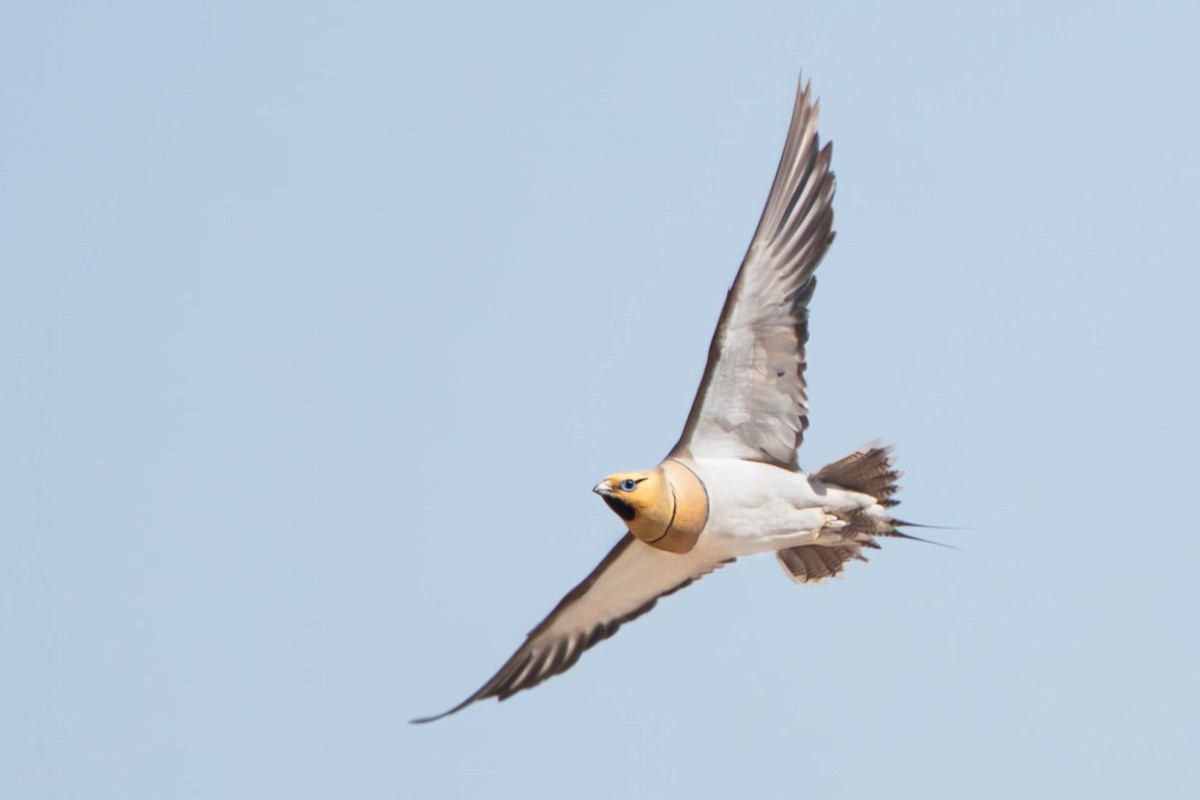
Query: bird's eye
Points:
[628, 485]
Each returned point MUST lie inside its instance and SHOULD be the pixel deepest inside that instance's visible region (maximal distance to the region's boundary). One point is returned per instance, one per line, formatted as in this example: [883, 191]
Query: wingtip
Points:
[806, 102]
[433, 717]
[436, 717]
[806, 96]
[425, 720]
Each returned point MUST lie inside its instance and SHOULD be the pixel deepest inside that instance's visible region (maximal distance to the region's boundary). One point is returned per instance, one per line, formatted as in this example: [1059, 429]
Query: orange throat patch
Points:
[678, 528]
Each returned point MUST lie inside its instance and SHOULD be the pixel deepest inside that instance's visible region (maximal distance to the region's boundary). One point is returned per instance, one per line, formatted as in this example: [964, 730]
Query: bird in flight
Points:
[732, 486]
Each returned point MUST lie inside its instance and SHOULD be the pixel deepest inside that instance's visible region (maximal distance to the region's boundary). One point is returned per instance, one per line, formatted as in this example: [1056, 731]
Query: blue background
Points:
[319, 322]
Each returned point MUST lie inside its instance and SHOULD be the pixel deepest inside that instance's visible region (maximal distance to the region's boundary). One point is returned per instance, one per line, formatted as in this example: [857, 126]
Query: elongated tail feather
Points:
[871, 471]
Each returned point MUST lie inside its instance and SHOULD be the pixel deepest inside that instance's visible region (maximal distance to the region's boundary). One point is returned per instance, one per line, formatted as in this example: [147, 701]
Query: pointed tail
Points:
[870, 470]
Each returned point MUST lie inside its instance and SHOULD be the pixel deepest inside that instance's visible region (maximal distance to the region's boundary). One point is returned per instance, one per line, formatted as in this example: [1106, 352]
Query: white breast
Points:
[753, 505]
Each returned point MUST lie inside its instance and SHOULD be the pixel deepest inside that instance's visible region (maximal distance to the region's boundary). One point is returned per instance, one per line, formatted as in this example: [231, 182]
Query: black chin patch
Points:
[622, 509]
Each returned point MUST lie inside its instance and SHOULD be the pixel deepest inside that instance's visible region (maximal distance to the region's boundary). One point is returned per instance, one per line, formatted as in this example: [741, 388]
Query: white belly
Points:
[756, 507]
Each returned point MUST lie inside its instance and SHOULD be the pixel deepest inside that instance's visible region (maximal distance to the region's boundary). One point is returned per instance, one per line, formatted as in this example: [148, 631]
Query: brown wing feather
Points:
[626, 584]
[752, 401]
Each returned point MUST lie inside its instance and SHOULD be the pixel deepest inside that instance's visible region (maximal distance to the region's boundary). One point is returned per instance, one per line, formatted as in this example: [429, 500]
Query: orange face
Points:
[666, 507]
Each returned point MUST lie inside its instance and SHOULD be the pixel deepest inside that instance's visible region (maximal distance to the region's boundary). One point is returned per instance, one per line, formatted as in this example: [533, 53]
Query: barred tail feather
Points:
[869, 470]
[813, 563]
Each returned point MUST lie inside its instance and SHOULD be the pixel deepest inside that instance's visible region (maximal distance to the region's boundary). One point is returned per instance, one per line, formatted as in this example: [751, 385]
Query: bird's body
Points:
[755, 508]
[760, 508]
[731, 486]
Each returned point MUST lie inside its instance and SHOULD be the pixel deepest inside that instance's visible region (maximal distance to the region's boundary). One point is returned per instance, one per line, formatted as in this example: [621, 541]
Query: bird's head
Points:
[666, 507]
[641, 499]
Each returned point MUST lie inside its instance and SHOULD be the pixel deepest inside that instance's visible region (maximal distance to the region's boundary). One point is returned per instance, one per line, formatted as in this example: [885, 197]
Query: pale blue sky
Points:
[321, 320]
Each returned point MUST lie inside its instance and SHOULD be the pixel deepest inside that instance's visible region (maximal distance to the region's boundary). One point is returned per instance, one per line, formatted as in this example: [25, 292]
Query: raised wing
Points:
[626, 584]
[752, 402]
